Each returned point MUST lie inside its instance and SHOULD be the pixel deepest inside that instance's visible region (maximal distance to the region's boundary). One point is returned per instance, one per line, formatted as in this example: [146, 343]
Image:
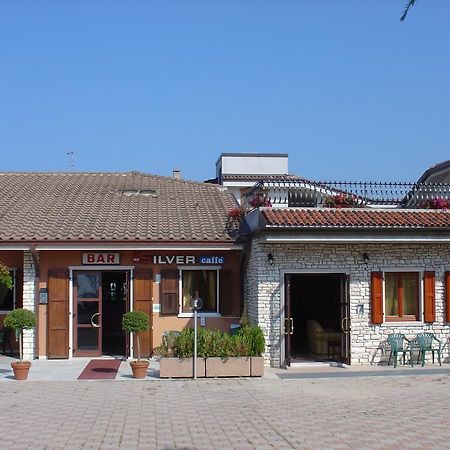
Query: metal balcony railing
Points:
[304, 193]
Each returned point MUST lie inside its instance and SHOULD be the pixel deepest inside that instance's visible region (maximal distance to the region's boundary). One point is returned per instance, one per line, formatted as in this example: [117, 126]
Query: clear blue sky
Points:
[343, 87]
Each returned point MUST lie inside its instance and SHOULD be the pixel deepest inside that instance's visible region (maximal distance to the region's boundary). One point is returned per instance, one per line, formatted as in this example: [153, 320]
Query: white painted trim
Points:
[135, 247]
[199, 314]
[103, 268]
[351, 238]
[14, 247]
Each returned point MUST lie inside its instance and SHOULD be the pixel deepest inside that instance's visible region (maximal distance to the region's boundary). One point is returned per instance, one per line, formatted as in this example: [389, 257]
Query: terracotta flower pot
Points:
[139, 368]
[21, 369]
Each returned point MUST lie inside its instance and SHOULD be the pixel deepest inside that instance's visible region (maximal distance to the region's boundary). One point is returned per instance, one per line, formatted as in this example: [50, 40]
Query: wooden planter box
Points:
[180, 368]
[256, 366]
[230, 367]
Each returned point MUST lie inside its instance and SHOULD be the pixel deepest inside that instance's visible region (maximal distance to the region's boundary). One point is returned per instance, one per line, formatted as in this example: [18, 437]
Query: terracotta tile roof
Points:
[110, 207]
[355, 218]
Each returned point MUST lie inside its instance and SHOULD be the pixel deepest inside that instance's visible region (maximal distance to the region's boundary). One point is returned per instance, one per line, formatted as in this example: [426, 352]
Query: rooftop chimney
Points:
[176, 173]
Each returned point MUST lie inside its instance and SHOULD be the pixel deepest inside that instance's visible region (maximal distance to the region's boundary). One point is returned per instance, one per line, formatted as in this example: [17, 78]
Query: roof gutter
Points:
[103, 246]
[354, 237]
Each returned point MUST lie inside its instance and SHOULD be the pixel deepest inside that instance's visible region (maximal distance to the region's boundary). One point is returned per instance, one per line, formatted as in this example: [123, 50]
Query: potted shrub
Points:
[177, 351]
[19, 320]
[254, 337]
[136, 322]
[228, 356]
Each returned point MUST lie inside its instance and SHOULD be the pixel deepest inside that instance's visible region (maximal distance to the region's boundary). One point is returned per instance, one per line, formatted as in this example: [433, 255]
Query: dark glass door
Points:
[87, 314]
[288, 321]
[345, 319]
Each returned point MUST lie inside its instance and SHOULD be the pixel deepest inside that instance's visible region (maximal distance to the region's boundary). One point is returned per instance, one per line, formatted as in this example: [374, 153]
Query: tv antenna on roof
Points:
[70, 155]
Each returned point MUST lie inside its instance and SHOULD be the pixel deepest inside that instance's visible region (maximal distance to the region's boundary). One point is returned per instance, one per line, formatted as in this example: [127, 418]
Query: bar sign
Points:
[101, 258]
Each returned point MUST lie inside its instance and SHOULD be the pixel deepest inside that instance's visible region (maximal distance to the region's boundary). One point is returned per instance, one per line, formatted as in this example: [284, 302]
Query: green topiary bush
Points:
[135, 322]
[20, 319]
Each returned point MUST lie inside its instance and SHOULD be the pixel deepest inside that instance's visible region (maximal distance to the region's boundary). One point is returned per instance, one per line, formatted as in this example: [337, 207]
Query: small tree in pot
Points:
[136, 322]
[19, 320]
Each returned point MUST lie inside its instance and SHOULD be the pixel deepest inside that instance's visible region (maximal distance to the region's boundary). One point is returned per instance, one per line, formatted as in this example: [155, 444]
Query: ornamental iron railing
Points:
[304, 193]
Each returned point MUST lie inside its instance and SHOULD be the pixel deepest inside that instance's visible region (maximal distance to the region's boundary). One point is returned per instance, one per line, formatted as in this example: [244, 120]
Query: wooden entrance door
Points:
[87, 318]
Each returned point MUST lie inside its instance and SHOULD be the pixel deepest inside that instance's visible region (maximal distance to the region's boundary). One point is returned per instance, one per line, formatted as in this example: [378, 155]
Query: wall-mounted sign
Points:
[211, 259]
[142, 258]
[101, 258]
[148, 258]
[173, 259]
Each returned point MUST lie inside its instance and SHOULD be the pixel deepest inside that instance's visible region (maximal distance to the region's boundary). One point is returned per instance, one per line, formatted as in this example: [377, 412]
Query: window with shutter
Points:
[397, 295]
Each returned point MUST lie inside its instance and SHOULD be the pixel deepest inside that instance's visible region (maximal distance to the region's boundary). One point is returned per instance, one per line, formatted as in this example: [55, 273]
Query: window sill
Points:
[415, 323]
[200, 315]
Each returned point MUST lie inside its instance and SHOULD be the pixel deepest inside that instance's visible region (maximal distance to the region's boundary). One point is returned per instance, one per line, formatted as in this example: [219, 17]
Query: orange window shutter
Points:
[447, 296]
[377, 297]
[429, 313]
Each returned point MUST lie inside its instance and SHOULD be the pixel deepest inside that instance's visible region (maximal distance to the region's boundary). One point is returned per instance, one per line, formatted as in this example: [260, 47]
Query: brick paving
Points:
[389, 412]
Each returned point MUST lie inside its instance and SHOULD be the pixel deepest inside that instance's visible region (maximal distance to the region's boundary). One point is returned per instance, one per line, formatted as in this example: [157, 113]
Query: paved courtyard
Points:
[367, 412]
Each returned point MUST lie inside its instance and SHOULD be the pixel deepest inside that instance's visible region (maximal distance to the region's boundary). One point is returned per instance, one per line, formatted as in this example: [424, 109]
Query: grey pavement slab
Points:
[68, 370]
[360, 412]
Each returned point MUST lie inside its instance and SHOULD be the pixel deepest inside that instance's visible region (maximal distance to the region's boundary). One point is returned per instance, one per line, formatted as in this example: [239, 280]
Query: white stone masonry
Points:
[263, 287]
[29, 302]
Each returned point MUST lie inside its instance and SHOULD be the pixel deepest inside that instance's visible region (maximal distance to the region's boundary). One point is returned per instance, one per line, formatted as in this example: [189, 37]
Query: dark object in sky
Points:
[405, 11]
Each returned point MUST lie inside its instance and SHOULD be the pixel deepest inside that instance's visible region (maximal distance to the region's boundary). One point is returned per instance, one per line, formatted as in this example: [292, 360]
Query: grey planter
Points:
[180, 368]
[229, 367]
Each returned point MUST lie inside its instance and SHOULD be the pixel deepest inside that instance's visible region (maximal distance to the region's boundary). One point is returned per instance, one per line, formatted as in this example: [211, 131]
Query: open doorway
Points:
[100, 300]
[115, 296]
[316, 305]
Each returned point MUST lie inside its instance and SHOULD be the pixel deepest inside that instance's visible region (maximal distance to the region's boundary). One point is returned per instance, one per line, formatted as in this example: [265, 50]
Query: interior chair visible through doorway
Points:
[319, 339]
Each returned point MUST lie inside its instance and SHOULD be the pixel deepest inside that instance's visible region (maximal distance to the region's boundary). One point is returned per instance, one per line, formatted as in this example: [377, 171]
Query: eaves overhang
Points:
[110, 246]
[348, 235]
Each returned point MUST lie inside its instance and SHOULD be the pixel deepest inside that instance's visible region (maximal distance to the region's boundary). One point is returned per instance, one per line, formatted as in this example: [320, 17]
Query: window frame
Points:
[180, 291]
[14, 277]
[408, 319]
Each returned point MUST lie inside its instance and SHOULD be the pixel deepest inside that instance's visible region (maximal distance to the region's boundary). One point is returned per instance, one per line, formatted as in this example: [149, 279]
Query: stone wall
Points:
[263, 289]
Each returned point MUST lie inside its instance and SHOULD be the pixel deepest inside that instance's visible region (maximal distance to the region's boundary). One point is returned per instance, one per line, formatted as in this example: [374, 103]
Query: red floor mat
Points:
[100, 369]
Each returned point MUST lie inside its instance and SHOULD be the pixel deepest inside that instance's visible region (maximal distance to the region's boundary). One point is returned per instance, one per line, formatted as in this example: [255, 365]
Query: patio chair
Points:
[425, 342]
[397, 343]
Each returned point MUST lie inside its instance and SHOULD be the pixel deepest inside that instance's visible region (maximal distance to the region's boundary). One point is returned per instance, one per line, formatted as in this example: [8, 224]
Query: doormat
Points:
[100, 369]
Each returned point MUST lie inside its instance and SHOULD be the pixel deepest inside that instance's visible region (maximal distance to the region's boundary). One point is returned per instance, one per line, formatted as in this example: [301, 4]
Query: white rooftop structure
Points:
[240, 171]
